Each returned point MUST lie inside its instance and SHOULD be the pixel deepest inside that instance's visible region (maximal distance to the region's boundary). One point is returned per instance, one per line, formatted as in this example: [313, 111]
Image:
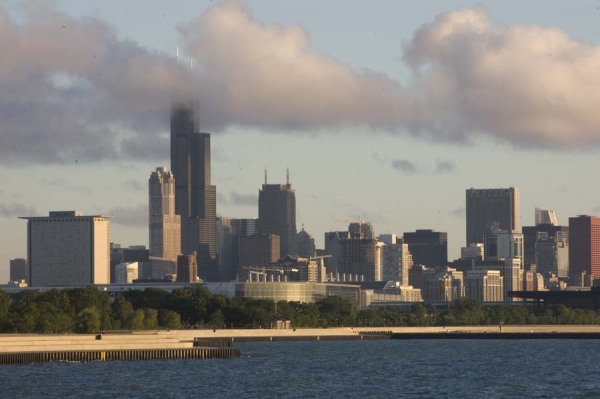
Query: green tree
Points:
[169, 319]
[335, 310]
[4, 311]
[123, 312]
[88, 320]
[150, 319]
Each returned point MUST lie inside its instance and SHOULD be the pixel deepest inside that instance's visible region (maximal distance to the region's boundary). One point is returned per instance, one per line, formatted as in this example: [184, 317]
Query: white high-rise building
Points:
[126, 272]
[396, 259]
[545, 216]
[165, 225]
[484, 285]
[67, 248]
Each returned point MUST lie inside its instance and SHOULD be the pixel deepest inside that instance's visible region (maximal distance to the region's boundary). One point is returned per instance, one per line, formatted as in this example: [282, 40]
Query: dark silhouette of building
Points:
[584, 248]
[305, 244]
[229, 233]
[488, 209]
[187, 268]
[354, 256]
[19, 270]
[258, 250]
[428, 247]
[547, 246]
[195, 196]
[134, 253]
[277, 214]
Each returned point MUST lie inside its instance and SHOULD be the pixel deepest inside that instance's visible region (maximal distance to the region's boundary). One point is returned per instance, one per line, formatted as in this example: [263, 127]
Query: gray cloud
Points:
[445, 167]
[405, 166]
[134, 185]
[13, 210]
[65, 185]
[72, 91]
[133, 216]
[235, 198]
[458, 212]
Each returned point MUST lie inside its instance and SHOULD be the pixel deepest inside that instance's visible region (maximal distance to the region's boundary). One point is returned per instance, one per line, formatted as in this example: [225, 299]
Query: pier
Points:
[27, 349]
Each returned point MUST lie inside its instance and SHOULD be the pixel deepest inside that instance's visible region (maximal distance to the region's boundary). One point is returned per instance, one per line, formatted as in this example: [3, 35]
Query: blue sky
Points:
[382, 111]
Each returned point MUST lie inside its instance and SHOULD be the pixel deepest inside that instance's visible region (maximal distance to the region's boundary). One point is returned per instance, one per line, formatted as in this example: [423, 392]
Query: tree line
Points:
[87, 310]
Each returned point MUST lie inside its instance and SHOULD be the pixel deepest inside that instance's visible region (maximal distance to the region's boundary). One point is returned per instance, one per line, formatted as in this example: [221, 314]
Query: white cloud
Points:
[72, 91]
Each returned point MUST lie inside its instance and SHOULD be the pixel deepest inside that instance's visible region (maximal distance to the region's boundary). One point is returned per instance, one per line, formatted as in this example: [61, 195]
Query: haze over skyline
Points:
[381, 113]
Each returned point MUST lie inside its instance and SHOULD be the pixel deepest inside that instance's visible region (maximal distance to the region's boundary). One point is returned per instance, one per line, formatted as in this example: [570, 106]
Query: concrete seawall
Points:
[179, 344]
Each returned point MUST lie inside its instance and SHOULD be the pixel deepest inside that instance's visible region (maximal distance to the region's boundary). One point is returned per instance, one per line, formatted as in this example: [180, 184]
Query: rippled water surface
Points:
[333, 369]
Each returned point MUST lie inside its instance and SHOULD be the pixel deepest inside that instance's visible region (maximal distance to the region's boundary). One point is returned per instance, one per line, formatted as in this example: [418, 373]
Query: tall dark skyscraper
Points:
[489, 209]
[195, 196]
[277, 214]
[428, 247]
[584, 247]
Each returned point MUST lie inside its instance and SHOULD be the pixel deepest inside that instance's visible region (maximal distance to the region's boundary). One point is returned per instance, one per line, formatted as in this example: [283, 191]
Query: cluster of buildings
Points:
[189, 243]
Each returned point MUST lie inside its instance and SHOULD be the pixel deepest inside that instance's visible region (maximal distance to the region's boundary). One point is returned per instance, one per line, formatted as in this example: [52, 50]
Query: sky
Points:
[382, 111]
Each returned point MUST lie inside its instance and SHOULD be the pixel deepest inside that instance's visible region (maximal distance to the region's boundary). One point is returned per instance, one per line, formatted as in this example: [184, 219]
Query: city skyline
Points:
[344, 165]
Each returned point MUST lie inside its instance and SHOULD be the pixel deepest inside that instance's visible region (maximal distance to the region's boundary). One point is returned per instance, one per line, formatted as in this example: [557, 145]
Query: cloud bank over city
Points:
[72, 91]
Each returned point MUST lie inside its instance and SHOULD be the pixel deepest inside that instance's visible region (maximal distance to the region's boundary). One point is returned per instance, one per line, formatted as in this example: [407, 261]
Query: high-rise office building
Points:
[428, 247]
[165, 225]
[484, 285]
[257, 250]
[396, 259]
[305, 244]
[547, 246]
[545, 216]
[229, 231]
[19, 270]
[187, 268]
[67, 248]
[584, 247]
[195, 196]
[277, 214]
[489, 209]
[354, 257]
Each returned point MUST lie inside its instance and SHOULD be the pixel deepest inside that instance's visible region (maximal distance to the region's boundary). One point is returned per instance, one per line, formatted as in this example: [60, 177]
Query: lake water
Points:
[333, 369]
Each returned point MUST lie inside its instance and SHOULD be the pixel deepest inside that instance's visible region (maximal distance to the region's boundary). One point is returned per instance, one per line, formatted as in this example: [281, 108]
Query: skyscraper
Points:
[277, 214]
[584, 247]
[489, 209]
[195, 197]
[67, 248]
[545, 216]
[428, 247]
[229, 232]
[165, 225]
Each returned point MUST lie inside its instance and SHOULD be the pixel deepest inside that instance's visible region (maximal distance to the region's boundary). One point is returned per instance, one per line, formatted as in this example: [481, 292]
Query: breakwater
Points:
[496, 335]
[26, 349]
[127, 355]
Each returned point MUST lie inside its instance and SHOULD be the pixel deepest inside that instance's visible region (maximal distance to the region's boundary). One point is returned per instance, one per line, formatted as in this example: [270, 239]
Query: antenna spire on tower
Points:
[265, 175]
[287, 176]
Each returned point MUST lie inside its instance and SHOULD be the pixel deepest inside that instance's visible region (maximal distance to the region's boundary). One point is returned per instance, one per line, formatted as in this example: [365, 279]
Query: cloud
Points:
[65, 185]
[134, 185]
[73, 91]
[14, 210]
[524, 85]
[405, 166]
[133, 216]
[445, 167]
[235, 198]
[458, 212]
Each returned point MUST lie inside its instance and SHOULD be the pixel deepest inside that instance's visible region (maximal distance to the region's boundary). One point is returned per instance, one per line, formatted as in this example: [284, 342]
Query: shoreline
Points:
[179, 339]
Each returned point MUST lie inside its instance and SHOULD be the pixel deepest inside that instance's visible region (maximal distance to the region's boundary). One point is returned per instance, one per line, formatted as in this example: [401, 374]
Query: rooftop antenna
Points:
[288, 176]
[265, 175]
